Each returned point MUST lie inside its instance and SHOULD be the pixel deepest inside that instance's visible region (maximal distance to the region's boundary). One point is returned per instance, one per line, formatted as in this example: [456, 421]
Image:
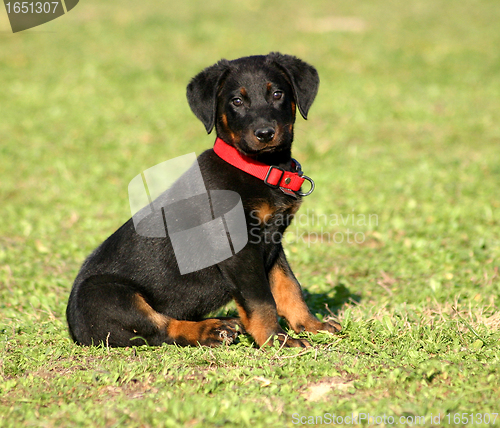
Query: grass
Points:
[403, 143]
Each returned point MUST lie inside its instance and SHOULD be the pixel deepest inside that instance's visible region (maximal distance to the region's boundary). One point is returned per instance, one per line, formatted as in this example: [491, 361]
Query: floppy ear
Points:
[202, 93]
[303, 77]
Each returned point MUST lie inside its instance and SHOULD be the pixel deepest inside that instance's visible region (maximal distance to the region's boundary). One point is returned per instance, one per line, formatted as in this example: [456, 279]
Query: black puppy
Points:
[130, 290]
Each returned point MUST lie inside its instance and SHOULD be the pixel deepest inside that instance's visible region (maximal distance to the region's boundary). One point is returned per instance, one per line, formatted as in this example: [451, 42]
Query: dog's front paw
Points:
[330, 326]
[286, 341]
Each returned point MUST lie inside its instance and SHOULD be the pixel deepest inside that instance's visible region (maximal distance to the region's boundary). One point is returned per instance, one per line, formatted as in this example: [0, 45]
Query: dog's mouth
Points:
[267, 149]
[256, 151]
[253, 146]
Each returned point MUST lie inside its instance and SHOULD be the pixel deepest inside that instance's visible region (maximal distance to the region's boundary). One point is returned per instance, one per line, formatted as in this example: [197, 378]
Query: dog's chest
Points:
[265, 217]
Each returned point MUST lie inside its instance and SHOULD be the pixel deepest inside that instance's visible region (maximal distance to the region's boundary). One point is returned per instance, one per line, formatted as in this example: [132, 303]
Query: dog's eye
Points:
[237, 102]
[277, 95]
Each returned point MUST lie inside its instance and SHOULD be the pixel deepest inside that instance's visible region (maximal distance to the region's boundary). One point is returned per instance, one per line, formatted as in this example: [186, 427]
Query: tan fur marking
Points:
[243, 92]
[159, 320]
[184, 329]
[232, 136]
[269, 86]
[245, 320]
[265, 212]
[193, 332]
[259, 324]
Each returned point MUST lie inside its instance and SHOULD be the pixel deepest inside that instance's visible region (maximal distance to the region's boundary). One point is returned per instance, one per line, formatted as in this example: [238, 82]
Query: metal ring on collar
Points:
[310, 190]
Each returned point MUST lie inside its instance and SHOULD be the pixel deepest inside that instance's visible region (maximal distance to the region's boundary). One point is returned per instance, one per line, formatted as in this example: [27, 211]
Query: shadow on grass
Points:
[325, 303]
[318, 303]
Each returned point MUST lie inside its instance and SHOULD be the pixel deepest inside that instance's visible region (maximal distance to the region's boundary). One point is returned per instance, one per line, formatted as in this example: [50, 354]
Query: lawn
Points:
[400, 241]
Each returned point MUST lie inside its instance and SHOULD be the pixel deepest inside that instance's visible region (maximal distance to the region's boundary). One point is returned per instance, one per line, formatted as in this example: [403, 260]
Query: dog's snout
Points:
[264, 135]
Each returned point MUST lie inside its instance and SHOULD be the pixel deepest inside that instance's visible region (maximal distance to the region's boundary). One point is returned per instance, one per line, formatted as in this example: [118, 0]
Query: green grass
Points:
[405, 129]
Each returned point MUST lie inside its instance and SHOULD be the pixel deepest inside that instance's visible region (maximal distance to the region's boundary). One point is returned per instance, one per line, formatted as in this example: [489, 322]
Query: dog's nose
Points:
[264, 135]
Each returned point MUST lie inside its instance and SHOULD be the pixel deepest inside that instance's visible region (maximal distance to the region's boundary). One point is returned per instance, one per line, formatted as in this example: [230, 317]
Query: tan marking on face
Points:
[243, 92]
[233, 137]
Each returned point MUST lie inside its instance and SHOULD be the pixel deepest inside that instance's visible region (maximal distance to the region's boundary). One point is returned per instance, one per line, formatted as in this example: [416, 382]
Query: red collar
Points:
[274, 176]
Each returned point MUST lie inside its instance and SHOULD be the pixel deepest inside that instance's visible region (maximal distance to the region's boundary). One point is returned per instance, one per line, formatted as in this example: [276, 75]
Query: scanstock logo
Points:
[204, 227]
[28, 14]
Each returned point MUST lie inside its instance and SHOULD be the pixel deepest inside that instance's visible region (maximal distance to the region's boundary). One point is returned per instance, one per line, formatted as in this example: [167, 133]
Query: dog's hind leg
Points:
[113, 313]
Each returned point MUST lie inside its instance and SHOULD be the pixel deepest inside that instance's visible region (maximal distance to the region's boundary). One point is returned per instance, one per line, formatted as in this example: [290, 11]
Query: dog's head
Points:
[252, 101]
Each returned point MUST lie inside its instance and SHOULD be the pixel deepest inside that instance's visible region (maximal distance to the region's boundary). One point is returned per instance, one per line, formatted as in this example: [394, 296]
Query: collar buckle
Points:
[266, 179]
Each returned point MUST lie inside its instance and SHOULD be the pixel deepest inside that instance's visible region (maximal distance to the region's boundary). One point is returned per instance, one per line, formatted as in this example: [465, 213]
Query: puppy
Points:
[130, 290]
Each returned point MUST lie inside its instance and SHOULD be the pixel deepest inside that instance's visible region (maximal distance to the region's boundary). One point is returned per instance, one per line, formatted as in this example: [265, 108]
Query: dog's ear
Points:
[202, 92]
[303, 77]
